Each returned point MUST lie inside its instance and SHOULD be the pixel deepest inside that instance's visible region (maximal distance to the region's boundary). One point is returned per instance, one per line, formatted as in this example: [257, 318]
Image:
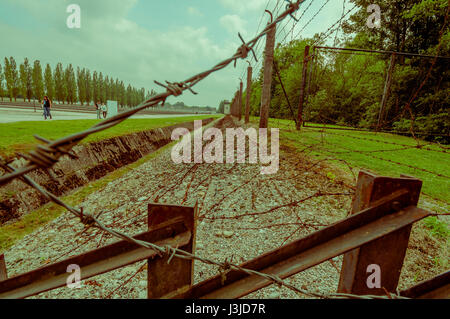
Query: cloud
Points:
[234, 24]
[111, 43]
[244, 6]
[194, 12]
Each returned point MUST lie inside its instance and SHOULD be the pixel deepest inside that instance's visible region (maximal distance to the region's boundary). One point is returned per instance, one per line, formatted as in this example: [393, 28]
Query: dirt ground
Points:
[228, 196]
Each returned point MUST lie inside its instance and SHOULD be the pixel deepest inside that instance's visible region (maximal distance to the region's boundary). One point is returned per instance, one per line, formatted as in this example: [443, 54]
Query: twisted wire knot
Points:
[175, 88]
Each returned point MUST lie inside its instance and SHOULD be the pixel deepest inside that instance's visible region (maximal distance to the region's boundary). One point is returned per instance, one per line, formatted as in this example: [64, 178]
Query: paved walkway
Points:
[8, 115]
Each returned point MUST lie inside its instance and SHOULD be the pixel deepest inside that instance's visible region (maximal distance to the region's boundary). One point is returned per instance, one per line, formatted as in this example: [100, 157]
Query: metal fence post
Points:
[387, 252]
[302, 88]
[165, 279]
[240, 101]
[267, 84]
[3, 272]
[249, 92]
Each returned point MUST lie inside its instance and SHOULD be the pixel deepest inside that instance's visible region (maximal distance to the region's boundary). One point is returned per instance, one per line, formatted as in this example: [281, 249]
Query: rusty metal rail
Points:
[175, 230]
[435, 288]
[377, 232]
[357, 230]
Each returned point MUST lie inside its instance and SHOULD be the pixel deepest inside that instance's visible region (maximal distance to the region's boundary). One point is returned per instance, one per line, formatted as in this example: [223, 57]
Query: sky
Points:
[139, 41]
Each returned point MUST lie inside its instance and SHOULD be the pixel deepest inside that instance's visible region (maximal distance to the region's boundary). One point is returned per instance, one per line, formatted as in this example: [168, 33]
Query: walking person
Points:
[104, 110]
[97, 107]
[47, 104]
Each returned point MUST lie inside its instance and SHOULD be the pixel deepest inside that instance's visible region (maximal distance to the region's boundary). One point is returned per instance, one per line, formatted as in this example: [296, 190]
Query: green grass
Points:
[342, 145]
[18, 136]
[11, 233]
[437, 228]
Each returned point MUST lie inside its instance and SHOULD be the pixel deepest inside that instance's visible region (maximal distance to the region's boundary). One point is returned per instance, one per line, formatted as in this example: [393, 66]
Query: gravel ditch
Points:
[221, 190]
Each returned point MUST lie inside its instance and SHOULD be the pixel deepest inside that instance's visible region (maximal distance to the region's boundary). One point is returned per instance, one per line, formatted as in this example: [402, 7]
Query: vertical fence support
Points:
[266, 89]
[3, 272]
[387, 252]
[387, 89]
[249, 93]
[302, 88]
[240, 101]
[234, 105]
[167, 279]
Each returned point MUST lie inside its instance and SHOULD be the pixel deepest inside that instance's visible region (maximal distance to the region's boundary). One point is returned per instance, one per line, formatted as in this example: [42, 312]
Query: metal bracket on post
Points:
[166, 279]
[387, 252]
[3, 272]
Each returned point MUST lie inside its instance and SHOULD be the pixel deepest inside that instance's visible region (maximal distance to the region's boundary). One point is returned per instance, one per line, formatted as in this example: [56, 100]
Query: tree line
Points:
[65, 85]
[346, 88]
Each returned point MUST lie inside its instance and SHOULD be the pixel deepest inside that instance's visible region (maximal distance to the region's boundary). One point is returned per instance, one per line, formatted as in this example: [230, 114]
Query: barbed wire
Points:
[314, 16]
[296, 22]
[330, 29]
[45, 156]
[91, 221]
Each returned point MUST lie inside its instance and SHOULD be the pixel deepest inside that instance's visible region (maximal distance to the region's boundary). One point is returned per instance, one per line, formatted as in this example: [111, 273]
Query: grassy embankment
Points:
[18, 136]
[377, 152]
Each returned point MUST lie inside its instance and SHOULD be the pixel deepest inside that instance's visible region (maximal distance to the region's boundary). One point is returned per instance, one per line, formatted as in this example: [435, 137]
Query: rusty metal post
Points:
[3, 271]
[166, 279]
[267, 84]
[249, 93]
[302, 88]
[240, 101]
[387, 252]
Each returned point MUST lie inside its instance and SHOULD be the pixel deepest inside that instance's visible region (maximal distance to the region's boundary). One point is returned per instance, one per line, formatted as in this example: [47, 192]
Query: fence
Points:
[376, 233]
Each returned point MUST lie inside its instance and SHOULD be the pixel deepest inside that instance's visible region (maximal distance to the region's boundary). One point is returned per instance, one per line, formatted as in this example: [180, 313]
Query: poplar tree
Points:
[71, 84]
[2, 77]
[101, 88]
[122, 94]
[107, 89]
[25, 79]
[81, 85]
[38, 82]
[95, 87]
[12, 78]
[60, 87]
[88, 86]
[129, 96]
[49, 82]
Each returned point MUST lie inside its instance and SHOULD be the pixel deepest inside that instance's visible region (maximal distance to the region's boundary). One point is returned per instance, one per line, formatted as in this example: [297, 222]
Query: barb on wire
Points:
[45, 156]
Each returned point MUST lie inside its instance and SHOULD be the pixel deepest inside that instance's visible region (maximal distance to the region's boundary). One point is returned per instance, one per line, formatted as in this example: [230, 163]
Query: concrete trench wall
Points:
[96, 160]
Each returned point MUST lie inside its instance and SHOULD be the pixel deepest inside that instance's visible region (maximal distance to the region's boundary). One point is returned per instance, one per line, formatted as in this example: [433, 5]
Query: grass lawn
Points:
[18, 136]
[376, 152]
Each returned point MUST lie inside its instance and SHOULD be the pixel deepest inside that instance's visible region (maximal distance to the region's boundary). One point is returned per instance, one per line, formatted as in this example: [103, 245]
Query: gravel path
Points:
[221, 190]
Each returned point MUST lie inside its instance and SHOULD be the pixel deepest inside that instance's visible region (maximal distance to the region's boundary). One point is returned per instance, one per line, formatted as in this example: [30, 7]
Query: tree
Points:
[101, 88]
[60, 83]
[49, 83]
[122, 94]
[221, 108]
[88, 86]
[12, 78]
[38, 82]
[129, 96]
[107, 89]
[113, 90]
[2, 77]
[26, 80]
[95, 87]
[69, 78]
[81, 78]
